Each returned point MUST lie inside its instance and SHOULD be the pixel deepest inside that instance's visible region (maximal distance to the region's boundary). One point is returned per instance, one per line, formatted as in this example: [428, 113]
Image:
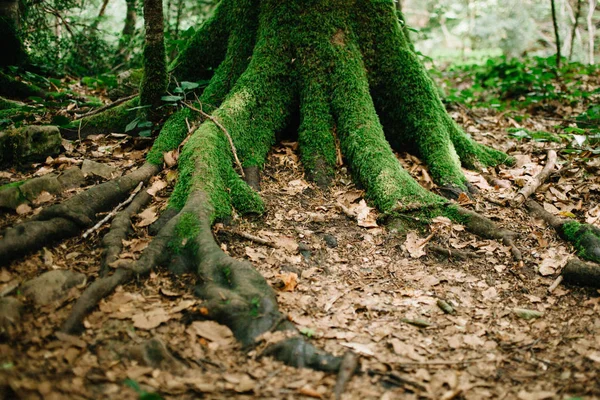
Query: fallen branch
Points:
[536, 181]
[106, 107]
[555, 284]
[114, 212]
[252, 238]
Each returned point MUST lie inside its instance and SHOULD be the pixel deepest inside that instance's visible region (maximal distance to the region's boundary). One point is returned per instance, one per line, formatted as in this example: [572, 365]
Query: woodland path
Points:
[347, 286]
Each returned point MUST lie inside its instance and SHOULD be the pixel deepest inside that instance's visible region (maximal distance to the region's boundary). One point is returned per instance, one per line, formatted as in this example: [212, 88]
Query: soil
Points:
[344, 278]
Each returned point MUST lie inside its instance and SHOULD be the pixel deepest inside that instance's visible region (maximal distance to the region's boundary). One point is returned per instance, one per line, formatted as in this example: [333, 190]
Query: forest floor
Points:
[346, 282]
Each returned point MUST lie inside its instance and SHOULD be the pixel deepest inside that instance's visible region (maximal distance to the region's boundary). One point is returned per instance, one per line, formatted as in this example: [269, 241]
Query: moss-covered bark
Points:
[154, 81]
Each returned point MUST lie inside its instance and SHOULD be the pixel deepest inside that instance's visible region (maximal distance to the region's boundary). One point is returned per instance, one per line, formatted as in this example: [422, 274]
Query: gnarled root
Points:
[70, 217]
[119, 230]
[584, 237]
[581, 273]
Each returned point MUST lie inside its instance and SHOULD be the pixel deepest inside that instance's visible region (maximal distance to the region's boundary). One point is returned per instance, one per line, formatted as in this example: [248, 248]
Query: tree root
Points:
[235, 294]
[584, 237]
[580, 273]
[484, 227]
[67, 219]
[536, 182]
[119, 230]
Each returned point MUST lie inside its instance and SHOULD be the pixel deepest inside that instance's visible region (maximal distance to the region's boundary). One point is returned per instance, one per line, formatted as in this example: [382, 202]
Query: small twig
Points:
[440, 362]
[113, 212]
[347, 369]
[107, 106]
[555, 284]
[536, 181]
[253, 238]
[222, 128]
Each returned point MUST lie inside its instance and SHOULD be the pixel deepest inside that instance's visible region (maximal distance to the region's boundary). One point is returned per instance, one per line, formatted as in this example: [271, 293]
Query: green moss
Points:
[407, 100]
[6, 104]
[186, 230]
[154, 81]
[171, 135]
[584, 237]
[112, 120]
[10, 87]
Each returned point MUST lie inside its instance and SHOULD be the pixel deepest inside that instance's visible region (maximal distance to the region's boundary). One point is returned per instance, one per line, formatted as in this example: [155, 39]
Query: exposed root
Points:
[484, 227]
[581, 273]
[584, 237]
[70, 217]
[537, 180]
[348, 368]
[106, 107]
[119, 230]
[156, 253]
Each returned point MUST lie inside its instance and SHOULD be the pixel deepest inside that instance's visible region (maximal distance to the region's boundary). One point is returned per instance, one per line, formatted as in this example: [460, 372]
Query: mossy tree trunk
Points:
[11, 48]
[347, 67]
[154, 81]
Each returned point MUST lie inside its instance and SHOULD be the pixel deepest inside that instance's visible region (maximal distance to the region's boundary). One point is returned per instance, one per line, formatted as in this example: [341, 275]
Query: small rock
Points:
[51, 286]
[330, 240]
[95, 168]
[10, 313]
[304, 250]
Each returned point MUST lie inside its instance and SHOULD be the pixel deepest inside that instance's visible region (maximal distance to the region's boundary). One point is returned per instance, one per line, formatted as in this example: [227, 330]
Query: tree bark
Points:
[127, 32]
[591, 30]
[556, 33]
[154, 82]
[11, 48]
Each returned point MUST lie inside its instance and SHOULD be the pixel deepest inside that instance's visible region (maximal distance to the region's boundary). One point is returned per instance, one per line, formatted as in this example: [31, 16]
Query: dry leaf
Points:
[212, 331]
[414, 245]
[156, 187]
[147, 217]
[290, 281]
[150, 319]
[23, 209]
[360, 348]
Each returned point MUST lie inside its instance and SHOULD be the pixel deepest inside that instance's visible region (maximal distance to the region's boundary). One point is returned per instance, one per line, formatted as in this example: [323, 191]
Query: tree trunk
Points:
[123, 53]
[11, 48]
[154, 82]
[556, 33]
[591, 30]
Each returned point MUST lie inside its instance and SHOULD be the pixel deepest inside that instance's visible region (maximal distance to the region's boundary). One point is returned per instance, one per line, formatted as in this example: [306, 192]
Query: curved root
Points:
[70, 217]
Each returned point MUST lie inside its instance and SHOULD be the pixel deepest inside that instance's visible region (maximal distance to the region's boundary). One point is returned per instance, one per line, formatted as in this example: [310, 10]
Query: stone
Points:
[51, 286]
[29, 143]
[99, 169]
[330, 240]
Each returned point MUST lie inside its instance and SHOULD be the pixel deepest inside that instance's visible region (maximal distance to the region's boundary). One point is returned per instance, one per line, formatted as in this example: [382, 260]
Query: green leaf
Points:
[189, 85]
[133, 384]
[145, 133]
[171, 99]
[131, 126]
[150, 396]
[144, 124]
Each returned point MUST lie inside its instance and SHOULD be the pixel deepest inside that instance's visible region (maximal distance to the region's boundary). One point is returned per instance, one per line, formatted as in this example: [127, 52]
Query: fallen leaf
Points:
[290, 281]
[212, 331]
[156, 187]
[150, 319]
[414, 245]
[23, 209]
[147, 217]
[360, 348]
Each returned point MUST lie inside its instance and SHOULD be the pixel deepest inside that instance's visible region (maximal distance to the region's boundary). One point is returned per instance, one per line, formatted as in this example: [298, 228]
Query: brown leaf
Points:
[150, 319]
[290, 281]
[414, 245]
[147, 217]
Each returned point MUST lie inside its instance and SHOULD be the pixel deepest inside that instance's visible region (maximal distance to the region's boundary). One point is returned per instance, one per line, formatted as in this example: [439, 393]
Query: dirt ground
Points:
[345, 279]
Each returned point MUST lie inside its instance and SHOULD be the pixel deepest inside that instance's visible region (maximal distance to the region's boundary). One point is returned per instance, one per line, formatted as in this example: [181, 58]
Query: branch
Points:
[222, 128]
[536, 182]
[106, 107]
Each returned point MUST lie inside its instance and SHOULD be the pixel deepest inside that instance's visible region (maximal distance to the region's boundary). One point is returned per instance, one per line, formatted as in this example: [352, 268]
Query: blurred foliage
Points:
[502, 83]
[70, 36]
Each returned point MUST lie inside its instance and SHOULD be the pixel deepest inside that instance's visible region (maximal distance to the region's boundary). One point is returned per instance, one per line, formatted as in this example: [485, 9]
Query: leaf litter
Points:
[426, 326]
